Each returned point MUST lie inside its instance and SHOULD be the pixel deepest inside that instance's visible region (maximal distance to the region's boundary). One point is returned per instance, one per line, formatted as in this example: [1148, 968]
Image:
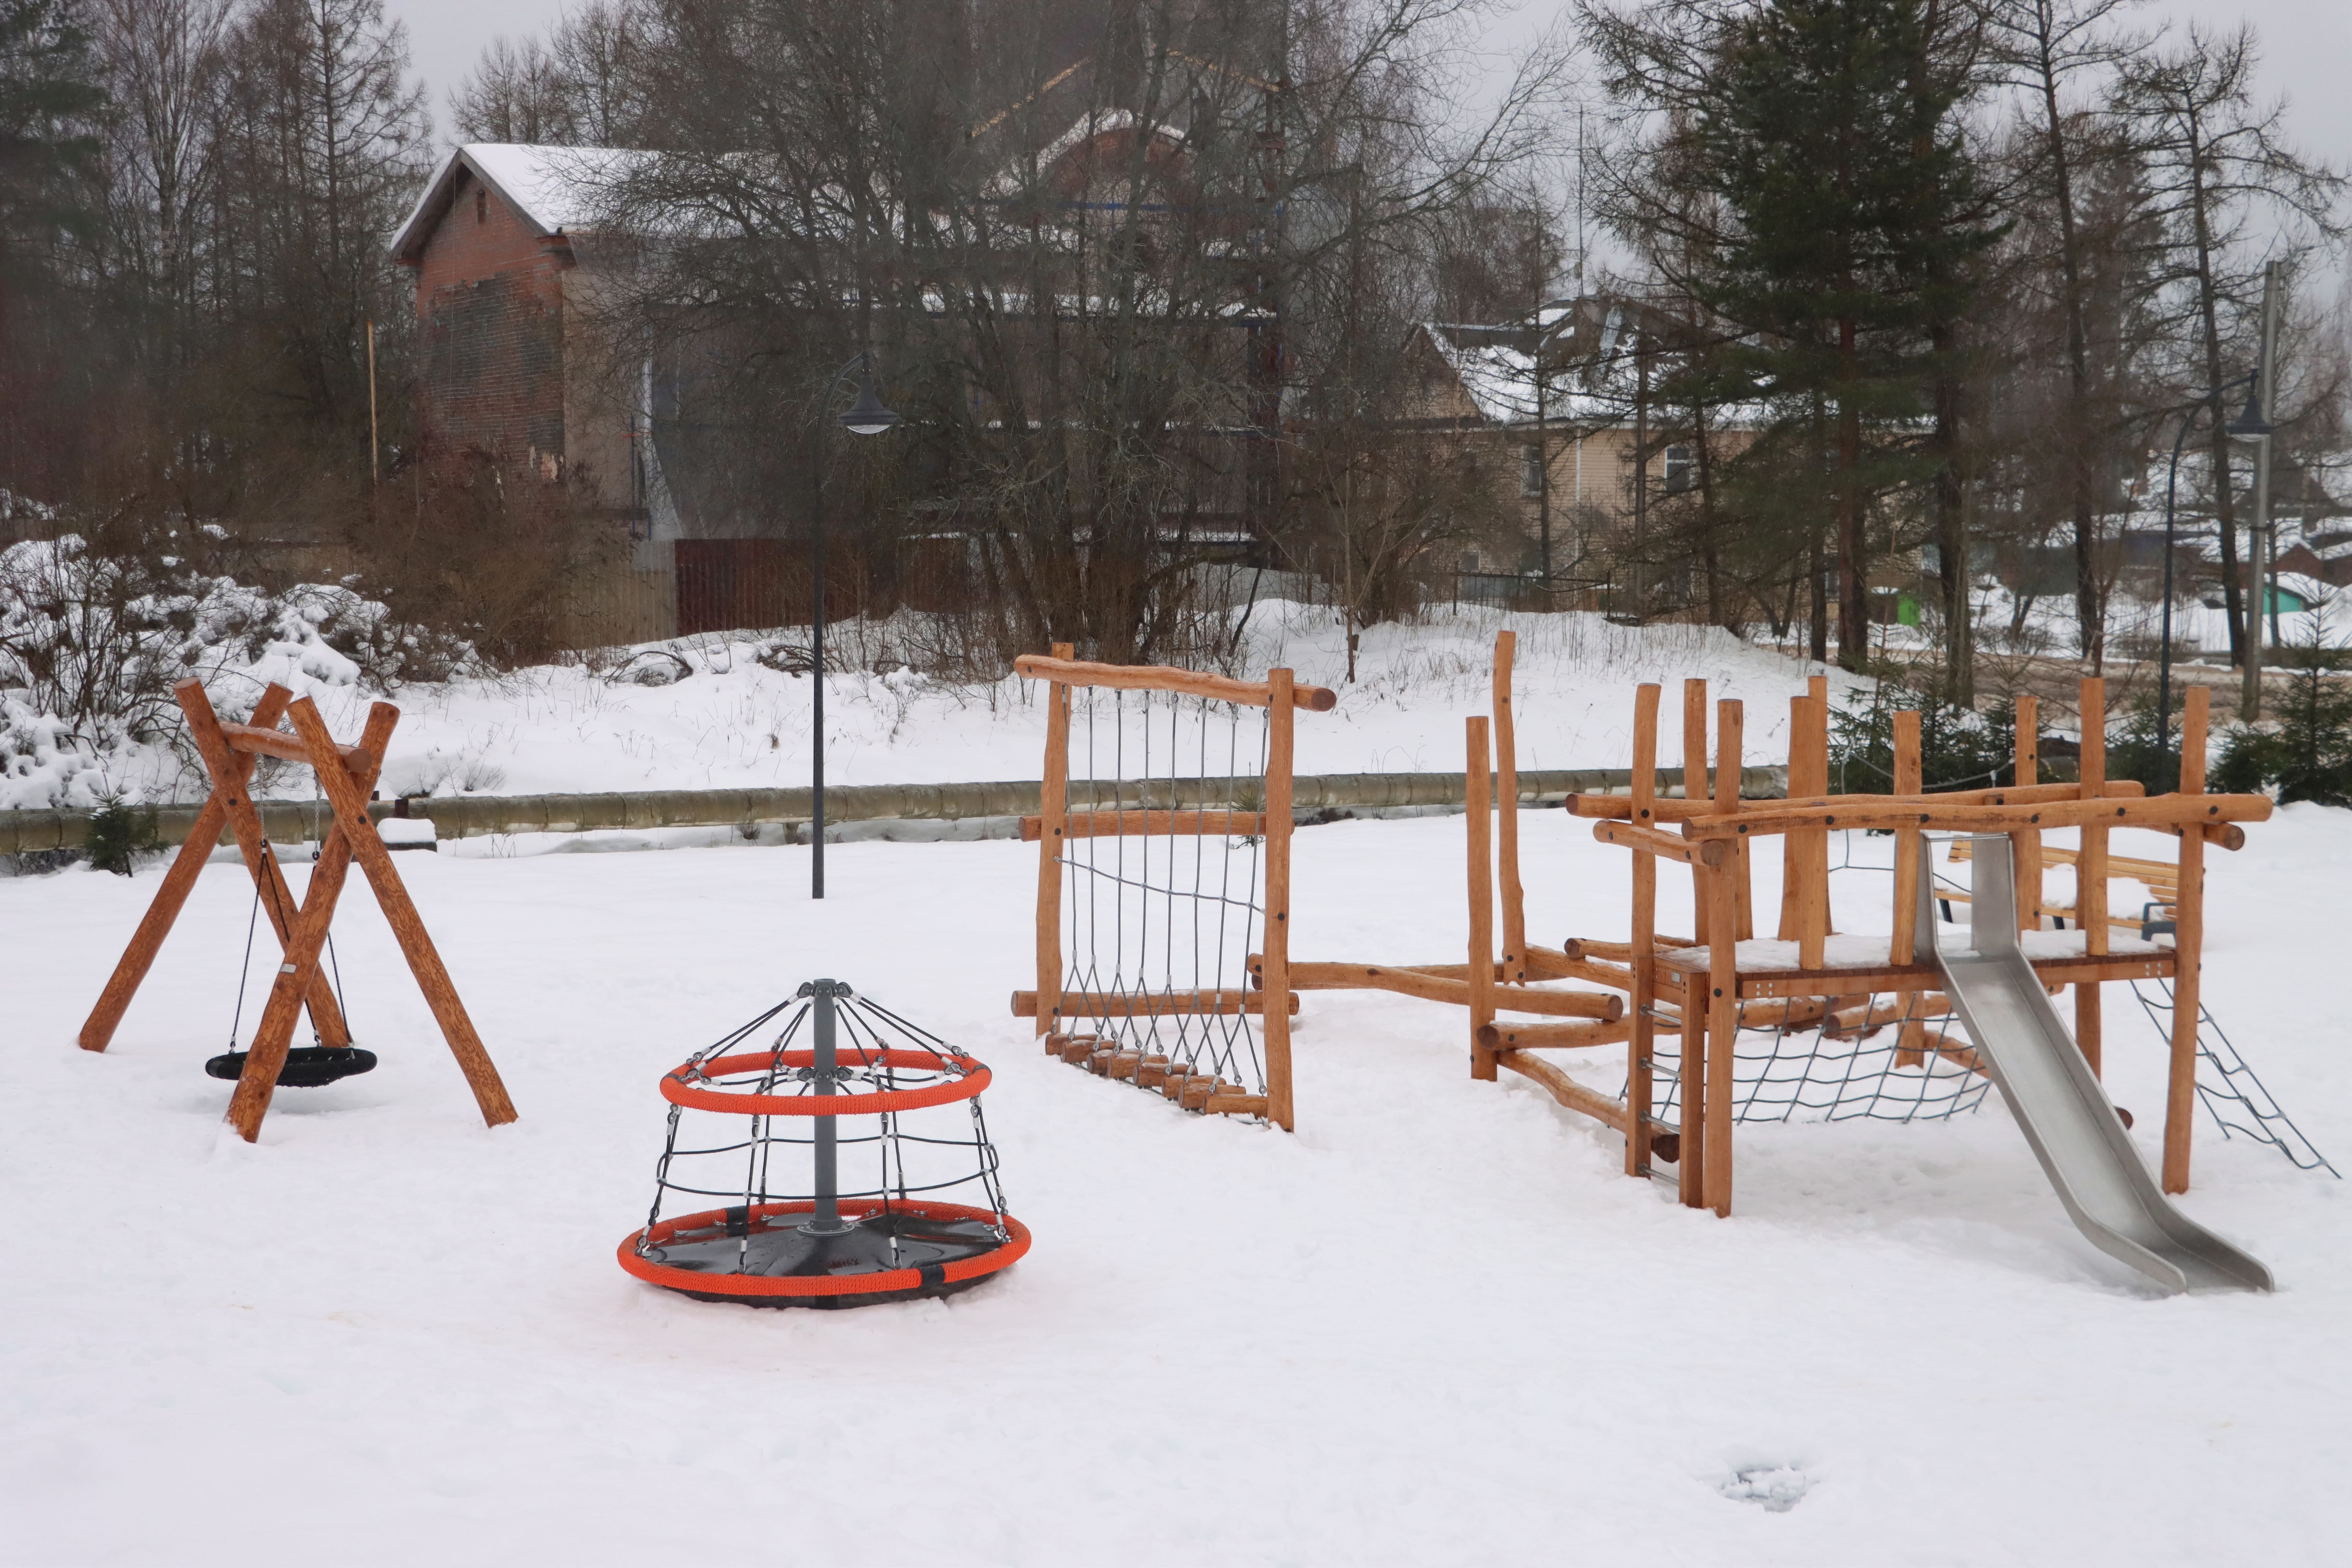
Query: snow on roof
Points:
[1501, 383]
[552, 190]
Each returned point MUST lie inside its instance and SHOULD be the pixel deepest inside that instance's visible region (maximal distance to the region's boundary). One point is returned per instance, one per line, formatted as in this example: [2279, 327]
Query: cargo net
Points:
[1162, 901]
[2228, 1087]
[1889, 1058]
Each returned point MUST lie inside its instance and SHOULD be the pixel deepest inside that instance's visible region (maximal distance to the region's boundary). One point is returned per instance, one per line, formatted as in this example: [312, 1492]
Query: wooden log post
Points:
[1053, 811]
[98, 1031]
[1910, 1032]
[1506, 817]
[2091, 866]
[1808, 742]
[275, 1036]
[1717, 888]
[1642, 957]
[1281, 715]
[1481, 956]
[1694, 789]
[212, 742]
[400, 914]
[2028, 768]
[2188, 948]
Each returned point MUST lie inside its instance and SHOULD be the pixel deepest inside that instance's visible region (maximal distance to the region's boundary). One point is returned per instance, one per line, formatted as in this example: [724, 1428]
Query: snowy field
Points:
[1436, 1326]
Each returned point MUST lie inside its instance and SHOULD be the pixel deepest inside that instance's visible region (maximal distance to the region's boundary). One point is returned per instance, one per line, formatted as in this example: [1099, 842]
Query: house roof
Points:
[551, 190]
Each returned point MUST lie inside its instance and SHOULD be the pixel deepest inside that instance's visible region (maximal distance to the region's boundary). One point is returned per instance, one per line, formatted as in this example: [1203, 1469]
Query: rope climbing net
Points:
[1881, 1058]
[1163, 879]
[1163, 896]
[2227, 1088]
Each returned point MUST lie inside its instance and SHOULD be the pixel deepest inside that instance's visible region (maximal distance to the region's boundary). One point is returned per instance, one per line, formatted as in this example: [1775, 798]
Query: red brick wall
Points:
[489, 309]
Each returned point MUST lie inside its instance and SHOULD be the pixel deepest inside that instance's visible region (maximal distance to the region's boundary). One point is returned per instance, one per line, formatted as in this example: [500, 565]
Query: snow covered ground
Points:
[1437, 1325]
[736, 723]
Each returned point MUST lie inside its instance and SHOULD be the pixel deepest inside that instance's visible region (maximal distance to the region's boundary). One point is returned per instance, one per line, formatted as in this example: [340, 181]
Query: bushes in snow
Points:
[92, 641]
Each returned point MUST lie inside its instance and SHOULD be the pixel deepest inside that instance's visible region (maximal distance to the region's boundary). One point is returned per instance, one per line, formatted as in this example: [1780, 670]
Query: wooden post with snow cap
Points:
[2091, 864]
[2187, 949]
[1052, 812]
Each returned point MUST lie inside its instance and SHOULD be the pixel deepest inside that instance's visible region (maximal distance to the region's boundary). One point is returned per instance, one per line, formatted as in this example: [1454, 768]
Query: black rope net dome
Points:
[811, 1212]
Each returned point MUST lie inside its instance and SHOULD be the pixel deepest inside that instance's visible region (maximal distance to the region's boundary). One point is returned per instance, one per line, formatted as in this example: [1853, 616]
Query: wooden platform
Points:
[1855, 965]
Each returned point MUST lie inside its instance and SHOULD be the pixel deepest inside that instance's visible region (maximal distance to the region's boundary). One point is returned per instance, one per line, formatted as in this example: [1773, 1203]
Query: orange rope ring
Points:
[677, 1090]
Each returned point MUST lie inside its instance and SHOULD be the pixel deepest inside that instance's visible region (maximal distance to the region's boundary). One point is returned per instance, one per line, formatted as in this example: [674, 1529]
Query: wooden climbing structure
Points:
[346, 776]
[1722, 978]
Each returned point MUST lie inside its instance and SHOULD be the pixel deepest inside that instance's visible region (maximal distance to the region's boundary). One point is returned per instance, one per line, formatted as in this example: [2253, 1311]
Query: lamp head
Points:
[2251, 426]
[867, 417]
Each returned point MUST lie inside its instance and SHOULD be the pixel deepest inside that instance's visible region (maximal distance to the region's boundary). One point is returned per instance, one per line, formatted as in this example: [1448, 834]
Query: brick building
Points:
[514, 368]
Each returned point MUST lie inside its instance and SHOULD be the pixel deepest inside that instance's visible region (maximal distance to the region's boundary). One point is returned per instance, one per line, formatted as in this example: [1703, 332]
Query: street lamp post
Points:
[2249, 425]
[867, 417]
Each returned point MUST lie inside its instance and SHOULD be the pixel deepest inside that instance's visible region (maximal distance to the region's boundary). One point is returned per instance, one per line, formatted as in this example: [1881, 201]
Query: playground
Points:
[1439, 1319]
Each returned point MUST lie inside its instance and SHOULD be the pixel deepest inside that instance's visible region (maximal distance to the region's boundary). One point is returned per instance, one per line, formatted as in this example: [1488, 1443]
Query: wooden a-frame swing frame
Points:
[346, 776]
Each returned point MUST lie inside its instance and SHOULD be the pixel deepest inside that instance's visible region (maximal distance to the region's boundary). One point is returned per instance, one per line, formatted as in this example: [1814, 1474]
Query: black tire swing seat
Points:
[306, 1067]
[824, 1246]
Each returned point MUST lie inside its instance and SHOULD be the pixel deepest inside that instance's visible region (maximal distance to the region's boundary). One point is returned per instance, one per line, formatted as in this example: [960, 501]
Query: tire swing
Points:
[835, 1055]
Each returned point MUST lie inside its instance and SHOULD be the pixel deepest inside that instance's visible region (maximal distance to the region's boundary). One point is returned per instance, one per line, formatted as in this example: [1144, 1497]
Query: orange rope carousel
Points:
[892, 1239]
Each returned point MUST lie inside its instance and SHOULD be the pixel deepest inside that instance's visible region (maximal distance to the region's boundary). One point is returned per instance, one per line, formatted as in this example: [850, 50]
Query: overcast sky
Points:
[2307, 49]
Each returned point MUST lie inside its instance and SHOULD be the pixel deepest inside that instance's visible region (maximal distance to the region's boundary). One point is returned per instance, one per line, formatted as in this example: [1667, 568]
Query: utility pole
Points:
[375, 445]
[2262, 564]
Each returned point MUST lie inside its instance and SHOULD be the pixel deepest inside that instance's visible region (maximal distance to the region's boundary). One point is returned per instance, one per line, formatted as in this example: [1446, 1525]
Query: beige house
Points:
[1595, 462]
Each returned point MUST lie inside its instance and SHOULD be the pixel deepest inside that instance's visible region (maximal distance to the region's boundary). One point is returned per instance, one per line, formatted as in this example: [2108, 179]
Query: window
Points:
[1531, 472]
[1681, 469]
[481, 206]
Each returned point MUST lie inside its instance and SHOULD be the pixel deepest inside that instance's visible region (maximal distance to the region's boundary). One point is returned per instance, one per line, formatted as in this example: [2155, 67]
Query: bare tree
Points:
[2220, 180]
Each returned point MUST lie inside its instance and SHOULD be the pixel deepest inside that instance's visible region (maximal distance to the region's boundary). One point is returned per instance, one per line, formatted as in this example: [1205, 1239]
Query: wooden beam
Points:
[1650, 841]
[1140, 823]
[1568, 1091]
[400, 914]
[2027, 738]
[178, 882]
[205, 729]
[1695, 788]
[1053, 800]
[2090, 868]
[1503, 1036]
[259, 1082]
[1668, 811]
[1166, 678]
[1480, 885]
[1506, 814]
[269, 741]
[1718, 886]
[1456, 992]
[1153, 1005]
[2164, 811]
[2188, 951]
[1275, 973]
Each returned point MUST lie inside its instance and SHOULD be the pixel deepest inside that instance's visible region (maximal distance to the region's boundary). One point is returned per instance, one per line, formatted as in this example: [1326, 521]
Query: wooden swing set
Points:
[346, 776]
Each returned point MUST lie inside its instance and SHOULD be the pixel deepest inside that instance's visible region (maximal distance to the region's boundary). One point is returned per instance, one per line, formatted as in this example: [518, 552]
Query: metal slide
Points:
[2058, 1102]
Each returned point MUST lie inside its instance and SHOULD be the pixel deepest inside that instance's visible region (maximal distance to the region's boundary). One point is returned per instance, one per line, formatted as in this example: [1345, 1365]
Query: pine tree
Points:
[1830, 138]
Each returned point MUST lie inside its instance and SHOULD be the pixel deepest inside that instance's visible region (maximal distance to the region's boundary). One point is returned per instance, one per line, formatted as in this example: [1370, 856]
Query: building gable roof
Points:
[551, 190]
